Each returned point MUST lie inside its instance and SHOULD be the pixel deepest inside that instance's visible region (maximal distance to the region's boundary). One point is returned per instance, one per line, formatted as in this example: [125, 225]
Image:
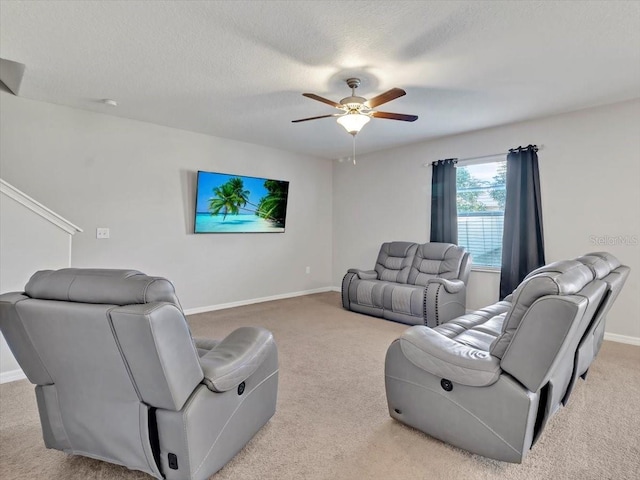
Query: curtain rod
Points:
[468, 159]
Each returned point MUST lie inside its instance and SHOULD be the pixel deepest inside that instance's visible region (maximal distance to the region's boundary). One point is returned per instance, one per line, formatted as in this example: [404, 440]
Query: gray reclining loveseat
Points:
[411, 283]
[488, 381]
[119, 378]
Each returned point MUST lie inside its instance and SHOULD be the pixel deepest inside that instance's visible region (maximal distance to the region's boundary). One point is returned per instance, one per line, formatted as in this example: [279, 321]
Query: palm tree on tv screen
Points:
[230, 198]
[273, 205]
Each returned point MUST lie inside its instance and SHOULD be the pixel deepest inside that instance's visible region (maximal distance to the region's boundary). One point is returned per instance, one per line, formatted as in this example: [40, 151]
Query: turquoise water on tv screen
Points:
[207, 223]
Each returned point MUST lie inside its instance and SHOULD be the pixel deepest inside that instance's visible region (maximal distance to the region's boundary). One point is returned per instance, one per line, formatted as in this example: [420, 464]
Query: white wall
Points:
[590, 182]
[138, 179]
[28, 243]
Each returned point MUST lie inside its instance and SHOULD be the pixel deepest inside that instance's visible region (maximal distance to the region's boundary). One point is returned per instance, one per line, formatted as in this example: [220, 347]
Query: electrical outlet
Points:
[102, 233]
[307, 270]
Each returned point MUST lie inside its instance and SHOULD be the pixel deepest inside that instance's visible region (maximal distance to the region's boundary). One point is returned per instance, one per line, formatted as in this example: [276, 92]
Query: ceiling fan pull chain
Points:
[354, 149]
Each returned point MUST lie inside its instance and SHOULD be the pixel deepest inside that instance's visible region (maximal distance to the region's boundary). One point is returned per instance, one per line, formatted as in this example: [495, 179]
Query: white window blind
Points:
[480, 200]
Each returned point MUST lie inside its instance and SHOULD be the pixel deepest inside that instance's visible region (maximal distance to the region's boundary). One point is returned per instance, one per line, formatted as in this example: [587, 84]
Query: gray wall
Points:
[589, 168]
[138, 179]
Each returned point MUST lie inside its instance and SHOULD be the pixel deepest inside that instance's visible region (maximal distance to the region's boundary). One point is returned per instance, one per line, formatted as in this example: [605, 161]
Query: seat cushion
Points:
[477, 329]
[405, 299]
[367, 292]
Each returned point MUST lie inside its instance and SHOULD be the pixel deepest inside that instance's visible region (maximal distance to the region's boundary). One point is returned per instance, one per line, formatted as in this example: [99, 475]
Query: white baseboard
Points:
[251, 301]
[614, 337]
[12, 376]
[335, 289]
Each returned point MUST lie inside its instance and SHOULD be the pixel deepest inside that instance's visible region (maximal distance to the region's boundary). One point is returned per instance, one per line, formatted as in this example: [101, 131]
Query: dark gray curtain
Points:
[444, 212]
[522, 240]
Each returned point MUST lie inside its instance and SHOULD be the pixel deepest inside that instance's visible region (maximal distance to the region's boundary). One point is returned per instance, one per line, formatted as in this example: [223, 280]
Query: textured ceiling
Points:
[237, 69]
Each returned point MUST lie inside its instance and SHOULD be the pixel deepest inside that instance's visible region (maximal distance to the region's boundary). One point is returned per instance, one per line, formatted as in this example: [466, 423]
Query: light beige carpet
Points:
[332, 421]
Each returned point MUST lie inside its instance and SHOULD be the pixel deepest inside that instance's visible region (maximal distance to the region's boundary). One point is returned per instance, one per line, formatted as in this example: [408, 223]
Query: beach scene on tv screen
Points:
[238, 204]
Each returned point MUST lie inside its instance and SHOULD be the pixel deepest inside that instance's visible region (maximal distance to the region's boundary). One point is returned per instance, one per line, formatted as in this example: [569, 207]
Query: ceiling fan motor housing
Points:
[353, 102]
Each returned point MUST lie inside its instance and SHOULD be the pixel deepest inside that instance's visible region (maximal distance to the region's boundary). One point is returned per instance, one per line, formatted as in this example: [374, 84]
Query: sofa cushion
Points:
[478, 329]
[435, 260]
[428, 350]
[394, 261]
[406, 299]
[367, 292]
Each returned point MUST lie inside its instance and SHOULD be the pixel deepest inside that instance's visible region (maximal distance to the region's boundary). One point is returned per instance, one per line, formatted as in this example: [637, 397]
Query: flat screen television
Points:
[239, 204]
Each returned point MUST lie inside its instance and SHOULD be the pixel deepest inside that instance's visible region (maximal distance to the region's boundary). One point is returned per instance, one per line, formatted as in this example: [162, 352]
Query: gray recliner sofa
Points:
[489, 381]
[607, 268]
[119, 378]
[417, 284]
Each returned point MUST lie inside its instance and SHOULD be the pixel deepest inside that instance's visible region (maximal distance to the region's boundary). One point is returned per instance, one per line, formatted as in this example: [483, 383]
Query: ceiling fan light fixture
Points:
[353, 122]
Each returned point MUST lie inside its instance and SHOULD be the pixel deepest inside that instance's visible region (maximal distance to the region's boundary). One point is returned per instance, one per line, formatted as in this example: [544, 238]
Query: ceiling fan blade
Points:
[385, 97]
[315, 118]
[322, 99]
[395, 116]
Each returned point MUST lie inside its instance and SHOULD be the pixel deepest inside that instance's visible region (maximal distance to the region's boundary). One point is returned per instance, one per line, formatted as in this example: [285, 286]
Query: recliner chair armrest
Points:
[451, 286]
[443, 357]
[236, 358]
[364, 274]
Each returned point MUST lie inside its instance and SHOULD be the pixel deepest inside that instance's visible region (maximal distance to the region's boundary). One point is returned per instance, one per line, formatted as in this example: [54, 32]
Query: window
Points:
[480, 200]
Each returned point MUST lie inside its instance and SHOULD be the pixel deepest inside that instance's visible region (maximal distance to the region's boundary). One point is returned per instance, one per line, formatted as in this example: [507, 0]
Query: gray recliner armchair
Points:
[489, 381]
[417, 284]
[119, 378]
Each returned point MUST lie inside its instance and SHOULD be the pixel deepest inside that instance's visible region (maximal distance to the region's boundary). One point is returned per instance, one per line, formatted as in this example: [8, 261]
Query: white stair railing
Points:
[32, 237]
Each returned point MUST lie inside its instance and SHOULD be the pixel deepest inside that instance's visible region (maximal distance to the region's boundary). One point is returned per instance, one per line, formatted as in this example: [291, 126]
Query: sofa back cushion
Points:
[394, 261]
[559, 278]
[607, 268]
[100, 286]
[600, 263]
[436, 260]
